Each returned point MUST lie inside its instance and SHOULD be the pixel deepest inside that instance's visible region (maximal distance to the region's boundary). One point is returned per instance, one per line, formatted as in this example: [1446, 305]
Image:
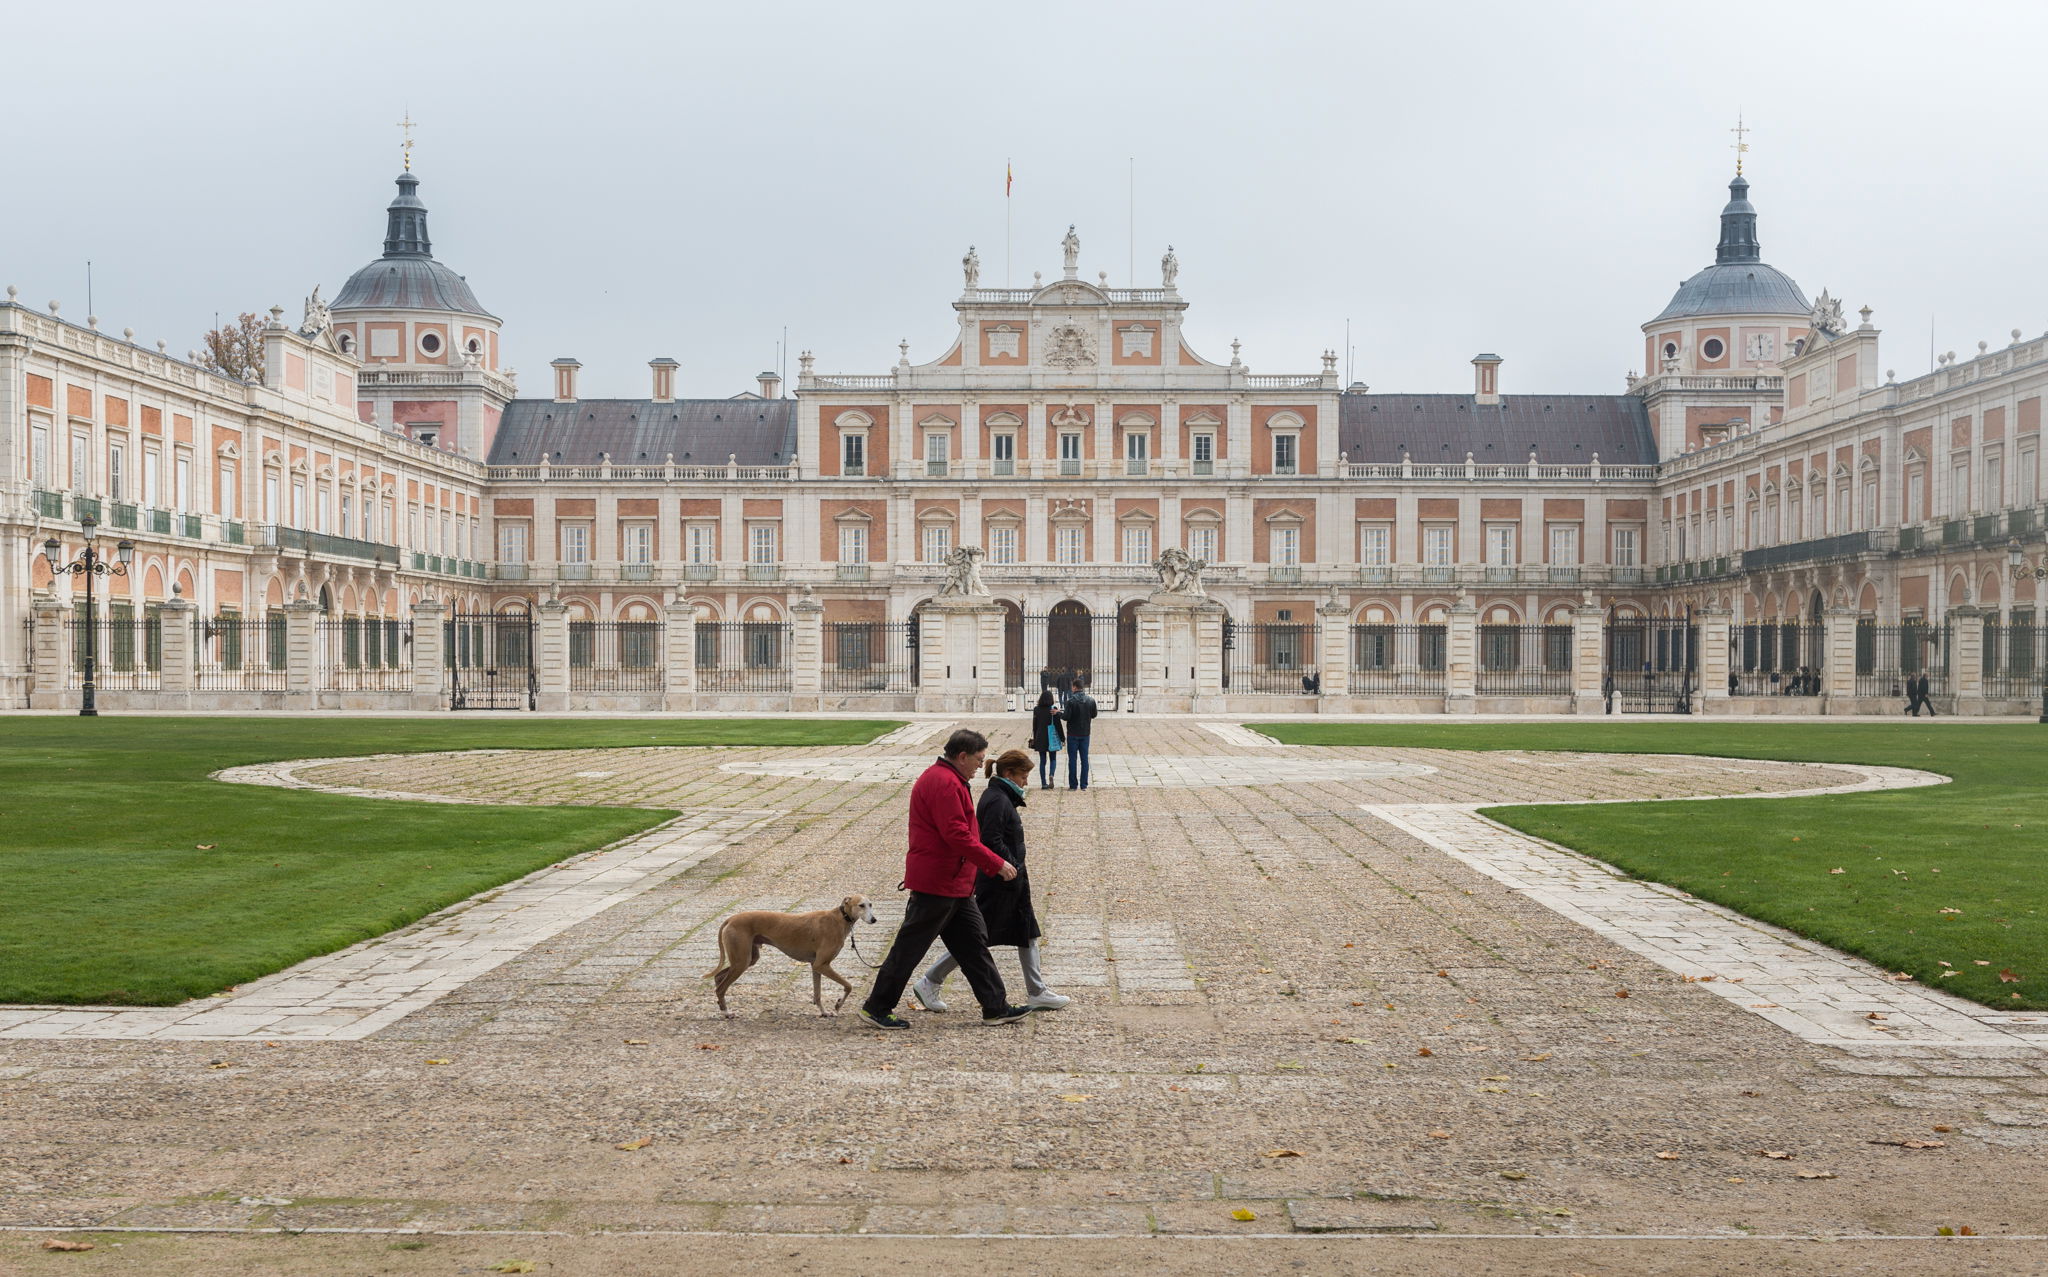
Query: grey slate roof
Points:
[1563, 429]
[637, 432]
[408, 283]
[1737, 288]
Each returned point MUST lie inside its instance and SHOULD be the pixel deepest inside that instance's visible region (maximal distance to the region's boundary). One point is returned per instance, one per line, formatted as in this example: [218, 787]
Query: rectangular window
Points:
[1137, 544]
[1202, 544]
[512, 543]
[1436, 545]
[1500, 544]
[230, 497]
[1003, 454]
[347, 509]
[2024, 483]
[761, 543]
[1069, 543]
[1205, 454]
[639, 543]
[117, 457]
[269, 498]
[1375, 545]
[39, 454]
[298, 519]
[1627, 547]
[1286, 450]
[1870, 504]
[702, 539]
[1994, 482]
[853, 455]
[1771, 522]
[81, 462]
[1959, 488]
[1070, 453]
[935, 448]
[1002, 543]
[1564, 546]
[1841, 509]
[1137, 455]
[1287, 546]
[853, 543]
[938, 542]
[1916, 490]
[184, 473]
[369, 509]
[575, 543]
[152, 477]
[1683, 545]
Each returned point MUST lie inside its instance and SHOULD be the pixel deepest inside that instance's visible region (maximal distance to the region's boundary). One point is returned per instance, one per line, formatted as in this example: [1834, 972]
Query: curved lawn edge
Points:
[1931, 880]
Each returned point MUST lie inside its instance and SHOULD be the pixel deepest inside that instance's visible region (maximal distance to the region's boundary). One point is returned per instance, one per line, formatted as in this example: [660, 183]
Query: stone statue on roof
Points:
[963, 574]
[318, 319]
[1071, 246]
[1169, 268]
[970, 265]
[1827, 316]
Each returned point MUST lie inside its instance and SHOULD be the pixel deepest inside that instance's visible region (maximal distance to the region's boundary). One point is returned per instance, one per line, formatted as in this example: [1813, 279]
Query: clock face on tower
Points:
[1761, 348]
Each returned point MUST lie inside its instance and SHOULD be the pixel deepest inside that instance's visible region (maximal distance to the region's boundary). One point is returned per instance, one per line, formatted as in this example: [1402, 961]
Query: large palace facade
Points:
[1767, 518]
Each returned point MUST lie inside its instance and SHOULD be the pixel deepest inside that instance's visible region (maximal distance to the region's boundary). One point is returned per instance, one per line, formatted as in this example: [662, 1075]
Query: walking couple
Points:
[968, 889]
[1069, 724]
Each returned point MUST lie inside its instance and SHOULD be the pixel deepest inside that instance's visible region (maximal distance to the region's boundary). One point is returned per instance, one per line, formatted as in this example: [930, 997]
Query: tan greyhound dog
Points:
[814, 937]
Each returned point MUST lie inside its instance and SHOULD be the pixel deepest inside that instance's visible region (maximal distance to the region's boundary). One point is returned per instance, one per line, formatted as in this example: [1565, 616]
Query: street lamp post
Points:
[2017, 558]
[89, 564]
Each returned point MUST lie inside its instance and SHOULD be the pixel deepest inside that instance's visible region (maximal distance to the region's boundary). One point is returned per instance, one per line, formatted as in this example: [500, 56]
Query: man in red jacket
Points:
[945, 854]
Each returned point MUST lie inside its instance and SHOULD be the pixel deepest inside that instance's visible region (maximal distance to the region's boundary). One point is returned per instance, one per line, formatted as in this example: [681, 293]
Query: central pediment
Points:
[1069, 292]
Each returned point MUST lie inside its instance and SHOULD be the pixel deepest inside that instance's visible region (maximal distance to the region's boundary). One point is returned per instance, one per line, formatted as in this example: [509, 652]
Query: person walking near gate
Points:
[1079, 713]
[945, 850]
[1046, 738]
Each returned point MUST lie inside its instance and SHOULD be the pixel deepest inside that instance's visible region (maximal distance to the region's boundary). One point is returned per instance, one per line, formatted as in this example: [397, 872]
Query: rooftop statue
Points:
[970, 265]
[1169, 268]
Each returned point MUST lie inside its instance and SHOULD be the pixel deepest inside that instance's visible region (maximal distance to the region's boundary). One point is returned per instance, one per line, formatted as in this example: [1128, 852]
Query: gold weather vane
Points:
[1740, 131]
[407, 125]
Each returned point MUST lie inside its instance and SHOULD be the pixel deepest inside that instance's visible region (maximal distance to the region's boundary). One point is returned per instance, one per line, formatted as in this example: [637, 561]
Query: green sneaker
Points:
[886, 1020]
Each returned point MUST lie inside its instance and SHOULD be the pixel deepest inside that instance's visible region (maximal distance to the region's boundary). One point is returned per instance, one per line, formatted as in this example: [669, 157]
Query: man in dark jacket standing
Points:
[1080, 715]
[945, 851]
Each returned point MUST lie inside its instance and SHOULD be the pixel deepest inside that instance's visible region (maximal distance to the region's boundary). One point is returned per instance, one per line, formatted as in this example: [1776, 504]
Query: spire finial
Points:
[406, 125]
[1741, 147]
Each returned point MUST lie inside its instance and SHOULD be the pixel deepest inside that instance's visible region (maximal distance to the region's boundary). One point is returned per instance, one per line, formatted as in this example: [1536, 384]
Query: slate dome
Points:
[1739, 282]
[407, 277]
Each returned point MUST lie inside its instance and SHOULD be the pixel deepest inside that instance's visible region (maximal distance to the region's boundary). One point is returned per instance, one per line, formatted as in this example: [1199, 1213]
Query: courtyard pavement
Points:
[1317, 1002]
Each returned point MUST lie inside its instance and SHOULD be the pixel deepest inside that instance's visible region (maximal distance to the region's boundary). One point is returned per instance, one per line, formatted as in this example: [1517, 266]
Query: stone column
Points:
[175, 652]
[1966, 658]
[1333, 655]
[302, 650]
[1155, 678]
[429, 653]
[679, 637]
[1713, 625]
[807, 648]
[1589, 648]
[1461, 652]
[46, 659]
[1838, 686]
[551, 655]
[960, 656]
[1207, 617]
[990, 696]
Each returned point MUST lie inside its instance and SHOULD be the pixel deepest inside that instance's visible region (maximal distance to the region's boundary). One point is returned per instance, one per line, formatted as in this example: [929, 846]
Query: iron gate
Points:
[489, 656]
[1652, 664]
[1055, 649]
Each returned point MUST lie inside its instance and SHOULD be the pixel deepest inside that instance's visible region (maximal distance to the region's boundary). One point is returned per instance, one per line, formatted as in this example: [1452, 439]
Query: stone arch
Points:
[2023, 590]
[1988, 594]
[1867, 603]
[1501, 614]
[153, 581]
[1373, 614]
[635, 607]
[187, 585]
[761, 610]
[1958, 588]
[1433, 613]
[1561, 614]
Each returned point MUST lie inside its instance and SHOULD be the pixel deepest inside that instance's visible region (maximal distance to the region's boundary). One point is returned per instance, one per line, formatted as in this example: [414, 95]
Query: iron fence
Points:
[1887, 655]
[2015, 660]
[488, 657]
[743, 656]
[1270, 658]
[127, 649]
[236, 653]
[364, 654]
[1069, 644]
[868, 656]
[615, 656]
[1651, 664]
[1776, 658]
[1524, 660]
[1398, 660]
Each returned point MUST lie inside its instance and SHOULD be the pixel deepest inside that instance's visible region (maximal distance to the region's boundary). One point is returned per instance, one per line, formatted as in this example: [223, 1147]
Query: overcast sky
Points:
[619, 182]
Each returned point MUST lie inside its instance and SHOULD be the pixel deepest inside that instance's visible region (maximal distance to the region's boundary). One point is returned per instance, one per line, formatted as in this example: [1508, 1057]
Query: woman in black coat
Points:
[1005, 906]
[1047, 723]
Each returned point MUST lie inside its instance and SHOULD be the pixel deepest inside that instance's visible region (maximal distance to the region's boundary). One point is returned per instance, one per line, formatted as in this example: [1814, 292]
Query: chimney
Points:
[565, 380]
[771, 385]
[1486, 379]
[664, 379]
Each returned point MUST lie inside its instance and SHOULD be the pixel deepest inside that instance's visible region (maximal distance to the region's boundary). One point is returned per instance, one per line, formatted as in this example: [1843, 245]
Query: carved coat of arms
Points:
[1070, 347]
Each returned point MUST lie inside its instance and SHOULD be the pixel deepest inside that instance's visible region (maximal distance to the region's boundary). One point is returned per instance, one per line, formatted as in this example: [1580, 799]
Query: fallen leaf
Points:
[1242, 1214]
[846, 1161]
[1950, 911]
[55, 1243]
[636, 1041]
[205, 846]
[1667, 1157]
[1980, 962]
[1351, 1041]
[1280, 1152]
[1814, 1174]
[513, 1266]
[1753, 1094]
[1439, 1135]
[1176, 1088]
[2006, 976]
[1265, 971]
[1966, 1231]
[713, 1046]
[1532, 1059]
[1358, 1004]
[221, 1064]
[1495, 1090]
[630, 1145]
[1913, 1143]
[1514, 1175]
[1737, 1179]
[1423, 1050]
[440, 1061]
[1621, 993]
[1077, 1099]
[1774, 1154]
[1445, 974]
[273, 1044]
[1872, 1015]
[1900, 976]
[1838, 871]
[1560, 1212]
[1497, 1077]
[1943, 1129]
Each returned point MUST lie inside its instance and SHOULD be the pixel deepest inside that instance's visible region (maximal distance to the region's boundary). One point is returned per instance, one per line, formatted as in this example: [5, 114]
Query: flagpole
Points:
[1009, 218]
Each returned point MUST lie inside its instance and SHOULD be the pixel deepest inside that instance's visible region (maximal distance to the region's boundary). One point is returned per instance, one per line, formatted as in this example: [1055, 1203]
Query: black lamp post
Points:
[89, 564]
[2015, 556]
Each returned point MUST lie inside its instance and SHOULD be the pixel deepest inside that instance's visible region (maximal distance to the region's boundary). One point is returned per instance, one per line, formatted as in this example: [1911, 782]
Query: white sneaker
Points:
[927, 996]
[1047, 1001]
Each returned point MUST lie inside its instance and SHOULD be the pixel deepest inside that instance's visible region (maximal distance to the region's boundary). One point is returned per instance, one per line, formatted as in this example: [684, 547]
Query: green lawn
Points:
[126, 876]
[1975, 846]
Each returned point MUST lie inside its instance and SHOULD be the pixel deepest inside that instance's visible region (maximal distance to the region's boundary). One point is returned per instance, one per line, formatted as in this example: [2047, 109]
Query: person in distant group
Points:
[1923, 691]
[1311, 683]
[1046, 737]
[1079, 715]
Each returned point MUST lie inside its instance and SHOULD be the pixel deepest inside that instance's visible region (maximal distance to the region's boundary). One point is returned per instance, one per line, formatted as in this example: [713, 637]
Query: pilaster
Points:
[1208, 619]
[46, 657]
[1713, 623]
[807, 646]
[429, 653]
[551, 655]
[1461, 651]
[301, 648]
[1966, 658]
[174, 650]
[679, 678]
[1589, 634]
[1333, 657]
[1839, 685]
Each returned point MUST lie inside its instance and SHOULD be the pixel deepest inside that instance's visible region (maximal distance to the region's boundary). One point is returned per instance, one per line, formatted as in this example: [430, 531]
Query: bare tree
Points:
[235, 350]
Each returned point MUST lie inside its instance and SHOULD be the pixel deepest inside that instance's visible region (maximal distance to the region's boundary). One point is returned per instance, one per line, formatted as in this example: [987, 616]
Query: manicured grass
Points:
[126, 876]
[1975, 846]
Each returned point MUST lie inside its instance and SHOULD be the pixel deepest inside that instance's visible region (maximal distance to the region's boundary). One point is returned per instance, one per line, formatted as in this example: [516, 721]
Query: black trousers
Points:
[956, 920]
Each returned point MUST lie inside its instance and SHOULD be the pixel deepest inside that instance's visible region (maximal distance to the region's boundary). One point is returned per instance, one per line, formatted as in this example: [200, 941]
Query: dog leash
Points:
[852, 940]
